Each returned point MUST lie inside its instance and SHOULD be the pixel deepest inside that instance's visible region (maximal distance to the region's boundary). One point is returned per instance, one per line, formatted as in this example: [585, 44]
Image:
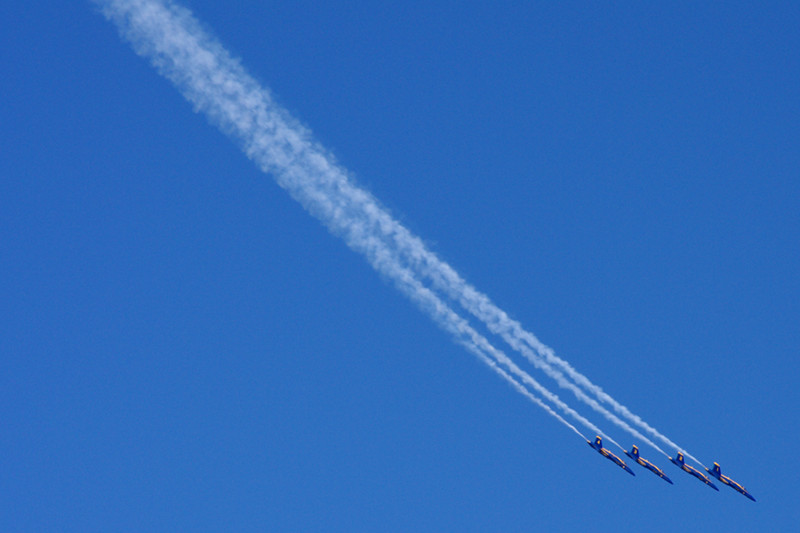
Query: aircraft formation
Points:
[678, 461]
[208, 77]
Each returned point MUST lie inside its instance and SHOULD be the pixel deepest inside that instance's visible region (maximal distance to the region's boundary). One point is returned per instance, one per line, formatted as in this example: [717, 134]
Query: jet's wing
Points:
[699, 475]
[619, 462]
[654, 469]
[680, 463]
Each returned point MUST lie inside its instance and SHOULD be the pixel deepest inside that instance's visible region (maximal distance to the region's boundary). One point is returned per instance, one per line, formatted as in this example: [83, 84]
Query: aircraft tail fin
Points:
[635, 451]
[716, 471]
[679, 458]
[598, 441]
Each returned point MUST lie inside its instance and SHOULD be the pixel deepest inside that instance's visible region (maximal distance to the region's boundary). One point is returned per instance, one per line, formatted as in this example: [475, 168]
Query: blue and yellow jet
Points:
[598, 445]
[717, 473]
[680, 463]
[634, 454]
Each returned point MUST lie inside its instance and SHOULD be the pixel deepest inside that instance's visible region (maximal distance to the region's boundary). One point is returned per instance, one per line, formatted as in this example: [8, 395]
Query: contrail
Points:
[216, 84]
[464, 334]
[444, 278]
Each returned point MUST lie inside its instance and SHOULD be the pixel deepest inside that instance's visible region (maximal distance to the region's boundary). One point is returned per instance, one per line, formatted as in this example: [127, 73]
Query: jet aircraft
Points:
[717, 473]
[680, 463]
[634, 454]
[598, 445]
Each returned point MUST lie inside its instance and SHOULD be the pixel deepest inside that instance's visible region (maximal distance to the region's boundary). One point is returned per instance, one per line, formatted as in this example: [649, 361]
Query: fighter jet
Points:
[679, 462]
[634, 454]
[717, 473]
[598, 445]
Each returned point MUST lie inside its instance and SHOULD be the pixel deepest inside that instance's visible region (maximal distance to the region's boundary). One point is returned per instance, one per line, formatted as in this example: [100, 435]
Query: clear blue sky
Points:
[184, 348]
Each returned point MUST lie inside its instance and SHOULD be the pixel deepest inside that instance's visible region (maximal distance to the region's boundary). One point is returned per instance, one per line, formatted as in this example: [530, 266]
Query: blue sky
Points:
[184, 347]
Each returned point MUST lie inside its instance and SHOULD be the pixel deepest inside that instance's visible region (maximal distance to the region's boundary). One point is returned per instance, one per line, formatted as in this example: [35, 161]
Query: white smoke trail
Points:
[444, 278]
[217, 85]
[474, 342]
